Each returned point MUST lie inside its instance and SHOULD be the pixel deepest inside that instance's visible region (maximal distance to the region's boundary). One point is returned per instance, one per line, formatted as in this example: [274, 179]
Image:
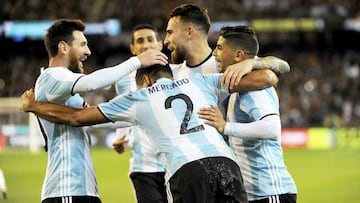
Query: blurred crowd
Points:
[322, 88]
[132, 12]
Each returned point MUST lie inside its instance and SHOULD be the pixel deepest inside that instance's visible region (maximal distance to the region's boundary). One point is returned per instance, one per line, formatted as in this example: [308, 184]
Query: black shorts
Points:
[149, 187]
[208, 180]
[284, 198]
[73, 199]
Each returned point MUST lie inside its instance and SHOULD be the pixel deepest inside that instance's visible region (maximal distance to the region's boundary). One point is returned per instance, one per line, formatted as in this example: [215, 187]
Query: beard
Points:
[177, 56]
[75, 65]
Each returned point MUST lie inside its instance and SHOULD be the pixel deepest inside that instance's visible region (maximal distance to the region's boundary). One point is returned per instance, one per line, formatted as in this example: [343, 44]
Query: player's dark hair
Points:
[155, 71]
[191, 13]
[61, 30]
[243, 37]
[143, 26]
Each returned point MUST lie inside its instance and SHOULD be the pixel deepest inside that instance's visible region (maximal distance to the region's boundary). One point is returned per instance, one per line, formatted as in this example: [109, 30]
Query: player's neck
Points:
[58, 62]
[198, 54]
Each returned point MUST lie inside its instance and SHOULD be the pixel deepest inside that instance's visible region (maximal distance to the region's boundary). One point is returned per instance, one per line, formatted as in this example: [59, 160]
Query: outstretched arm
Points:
[108, 76]
[61, 114]
[241, 73]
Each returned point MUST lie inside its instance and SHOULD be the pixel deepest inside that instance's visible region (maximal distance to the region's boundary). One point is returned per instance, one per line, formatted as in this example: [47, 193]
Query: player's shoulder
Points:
[60, 72]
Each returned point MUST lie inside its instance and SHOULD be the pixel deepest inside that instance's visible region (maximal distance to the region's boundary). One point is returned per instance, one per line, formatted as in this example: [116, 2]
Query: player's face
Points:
[176, 38]
[144, 39]
[79, 51]
[224, 54]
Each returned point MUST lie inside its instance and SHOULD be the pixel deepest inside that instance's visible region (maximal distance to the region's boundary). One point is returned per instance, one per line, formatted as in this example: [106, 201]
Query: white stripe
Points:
[274, 199]
[62, 166]
[168, 192]
[68, 161]
[273, 170]
[277, 198]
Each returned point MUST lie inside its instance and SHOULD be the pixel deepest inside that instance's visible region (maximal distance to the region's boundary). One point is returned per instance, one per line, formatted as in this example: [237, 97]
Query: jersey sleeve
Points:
[106, 76]
[121, 108]
[214, 82]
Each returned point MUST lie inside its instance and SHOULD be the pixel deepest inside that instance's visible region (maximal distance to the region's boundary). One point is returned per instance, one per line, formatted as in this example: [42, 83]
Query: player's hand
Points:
[213, 117]
[235, 72]
[151, 57]
[27, 99]
[120, 144]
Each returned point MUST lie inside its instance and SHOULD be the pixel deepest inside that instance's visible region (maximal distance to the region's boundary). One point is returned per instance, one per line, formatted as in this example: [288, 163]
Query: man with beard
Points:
[70, 174]
[187, 39]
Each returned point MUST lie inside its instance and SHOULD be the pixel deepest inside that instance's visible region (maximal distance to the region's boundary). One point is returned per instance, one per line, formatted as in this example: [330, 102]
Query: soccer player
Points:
[253, 125]
[147, 172]
[187, 39]
[199, 165]
[70, 174]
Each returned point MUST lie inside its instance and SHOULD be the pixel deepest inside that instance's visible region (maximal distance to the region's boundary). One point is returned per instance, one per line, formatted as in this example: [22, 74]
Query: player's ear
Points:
[147, 80]
[239, 55]
[63, 47]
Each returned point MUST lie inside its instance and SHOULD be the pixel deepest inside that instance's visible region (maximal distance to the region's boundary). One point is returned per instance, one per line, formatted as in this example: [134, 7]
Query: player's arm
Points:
[268, 127]
[107, 76]
[61, 114]
[241, 73]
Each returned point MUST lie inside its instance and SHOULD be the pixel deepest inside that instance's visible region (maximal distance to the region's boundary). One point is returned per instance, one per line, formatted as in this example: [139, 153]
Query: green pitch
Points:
[321, 176]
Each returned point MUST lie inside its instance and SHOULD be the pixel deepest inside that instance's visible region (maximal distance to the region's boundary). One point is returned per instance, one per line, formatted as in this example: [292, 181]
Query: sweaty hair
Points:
[243, 37]
[191, 13]
[143, 26]
[155, 71]
[61, 30]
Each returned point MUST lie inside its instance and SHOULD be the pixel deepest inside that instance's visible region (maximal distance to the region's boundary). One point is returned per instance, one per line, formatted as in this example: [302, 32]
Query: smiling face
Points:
[78, 52]
[176, 39]
[224, 54]
[144, 39]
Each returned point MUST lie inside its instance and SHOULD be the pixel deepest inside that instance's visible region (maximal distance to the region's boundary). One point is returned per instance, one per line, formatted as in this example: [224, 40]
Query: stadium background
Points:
[320, 105]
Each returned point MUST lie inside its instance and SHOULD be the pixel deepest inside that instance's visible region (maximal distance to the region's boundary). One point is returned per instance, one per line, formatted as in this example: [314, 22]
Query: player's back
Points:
[168, 112]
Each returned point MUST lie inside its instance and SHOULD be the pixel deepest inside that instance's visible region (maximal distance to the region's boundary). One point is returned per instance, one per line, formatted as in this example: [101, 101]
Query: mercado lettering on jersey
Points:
[159, 87]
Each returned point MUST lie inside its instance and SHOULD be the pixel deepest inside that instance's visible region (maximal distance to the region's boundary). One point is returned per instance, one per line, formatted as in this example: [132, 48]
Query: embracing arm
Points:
[108, 76]
[273, 63]
[241, 73]
[61, 114]
[268, 128]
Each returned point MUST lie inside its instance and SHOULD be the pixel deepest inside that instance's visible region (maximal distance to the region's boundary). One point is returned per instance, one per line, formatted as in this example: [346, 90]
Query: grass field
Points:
[322, 176]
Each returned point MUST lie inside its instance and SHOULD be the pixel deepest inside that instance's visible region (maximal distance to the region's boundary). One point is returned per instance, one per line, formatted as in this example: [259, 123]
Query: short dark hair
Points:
[154, 71]
[192, 13]
[143, 26]
[61, 30]
[243, 37]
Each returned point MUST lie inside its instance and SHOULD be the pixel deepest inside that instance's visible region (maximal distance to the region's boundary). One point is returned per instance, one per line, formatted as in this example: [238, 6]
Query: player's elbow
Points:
[271, 79]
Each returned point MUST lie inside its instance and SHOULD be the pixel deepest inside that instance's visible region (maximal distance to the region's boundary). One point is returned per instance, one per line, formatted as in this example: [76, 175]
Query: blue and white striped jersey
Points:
[144, 154]
[70, 170]
[167, 111]
[261, 161]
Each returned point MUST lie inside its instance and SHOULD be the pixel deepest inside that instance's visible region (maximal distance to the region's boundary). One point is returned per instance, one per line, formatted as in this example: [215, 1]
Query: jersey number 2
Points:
[188, 113]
